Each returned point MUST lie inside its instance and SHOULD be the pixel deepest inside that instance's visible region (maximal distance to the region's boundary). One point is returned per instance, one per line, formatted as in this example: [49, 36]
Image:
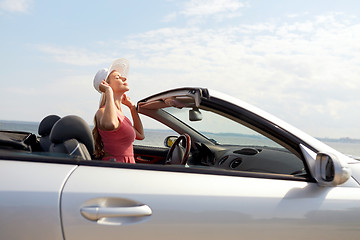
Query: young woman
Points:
[114, 133]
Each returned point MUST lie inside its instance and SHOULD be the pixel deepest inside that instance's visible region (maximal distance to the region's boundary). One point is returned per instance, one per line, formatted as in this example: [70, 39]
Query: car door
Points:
[147, 202]
[30, 197]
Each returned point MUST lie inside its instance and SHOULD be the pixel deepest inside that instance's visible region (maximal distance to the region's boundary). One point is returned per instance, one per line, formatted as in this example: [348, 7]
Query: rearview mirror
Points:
[195, 115]
[330, 171]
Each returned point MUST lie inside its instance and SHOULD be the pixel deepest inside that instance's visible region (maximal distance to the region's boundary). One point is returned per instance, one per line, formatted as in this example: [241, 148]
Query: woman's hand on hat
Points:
[104, 86]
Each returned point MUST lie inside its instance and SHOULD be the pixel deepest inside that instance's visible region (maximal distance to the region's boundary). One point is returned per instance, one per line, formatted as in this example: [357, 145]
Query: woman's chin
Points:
[123, 89]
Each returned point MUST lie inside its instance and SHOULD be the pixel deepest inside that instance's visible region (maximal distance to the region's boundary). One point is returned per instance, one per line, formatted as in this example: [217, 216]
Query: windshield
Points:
[222, 130]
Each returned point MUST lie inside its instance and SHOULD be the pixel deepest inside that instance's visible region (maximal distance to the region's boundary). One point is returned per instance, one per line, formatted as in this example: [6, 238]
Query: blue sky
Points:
[299, 60]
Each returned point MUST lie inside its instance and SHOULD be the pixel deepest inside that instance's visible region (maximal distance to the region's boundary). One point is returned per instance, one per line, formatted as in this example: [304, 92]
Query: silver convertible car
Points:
[224, 170]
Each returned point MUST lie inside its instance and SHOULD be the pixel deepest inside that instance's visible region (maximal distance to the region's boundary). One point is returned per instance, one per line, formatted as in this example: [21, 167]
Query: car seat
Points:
[72, 135]
[44, 130]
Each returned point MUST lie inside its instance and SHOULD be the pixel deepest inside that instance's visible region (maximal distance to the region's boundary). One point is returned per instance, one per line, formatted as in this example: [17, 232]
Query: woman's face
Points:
[117, 82]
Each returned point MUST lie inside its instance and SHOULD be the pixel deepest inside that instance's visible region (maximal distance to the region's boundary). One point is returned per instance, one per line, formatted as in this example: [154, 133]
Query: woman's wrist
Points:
[133, 107]
[109, 92]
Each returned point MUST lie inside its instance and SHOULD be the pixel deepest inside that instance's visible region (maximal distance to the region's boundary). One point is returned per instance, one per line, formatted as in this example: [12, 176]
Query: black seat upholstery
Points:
[44, 130]
[72, 135]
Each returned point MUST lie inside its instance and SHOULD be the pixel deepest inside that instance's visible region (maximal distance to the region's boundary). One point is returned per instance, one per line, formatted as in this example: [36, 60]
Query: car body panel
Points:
[30, 199]
[355, 169]
[201, 206]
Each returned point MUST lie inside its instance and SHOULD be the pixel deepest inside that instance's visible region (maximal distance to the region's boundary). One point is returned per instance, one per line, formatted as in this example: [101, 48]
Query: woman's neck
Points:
[117, 100]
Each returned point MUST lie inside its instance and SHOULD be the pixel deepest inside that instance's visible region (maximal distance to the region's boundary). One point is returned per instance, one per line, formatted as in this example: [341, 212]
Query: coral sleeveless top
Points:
[118, 144]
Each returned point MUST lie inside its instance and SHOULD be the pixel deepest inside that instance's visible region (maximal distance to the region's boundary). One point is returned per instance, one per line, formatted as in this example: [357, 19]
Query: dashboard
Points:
[247, 158]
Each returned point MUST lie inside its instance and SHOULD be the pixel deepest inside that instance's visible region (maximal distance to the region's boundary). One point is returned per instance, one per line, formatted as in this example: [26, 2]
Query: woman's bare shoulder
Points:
[99, 113]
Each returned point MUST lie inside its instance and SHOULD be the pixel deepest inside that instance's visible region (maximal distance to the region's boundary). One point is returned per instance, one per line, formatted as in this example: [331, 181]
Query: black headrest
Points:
[46, 125]
[72, 127]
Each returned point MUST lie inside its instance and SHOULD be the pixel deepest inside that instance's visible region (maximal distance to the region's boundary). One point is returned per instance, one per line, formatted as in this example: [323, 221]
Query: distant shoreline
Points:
[343, 140]
[323, 139]
[19, 122]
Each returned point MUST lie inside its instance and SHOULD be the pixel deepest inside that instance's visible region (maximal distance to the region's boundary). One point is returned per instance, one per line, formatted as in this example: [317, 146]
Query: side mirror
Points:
[330, 171]
[169, 141]
[195, 115]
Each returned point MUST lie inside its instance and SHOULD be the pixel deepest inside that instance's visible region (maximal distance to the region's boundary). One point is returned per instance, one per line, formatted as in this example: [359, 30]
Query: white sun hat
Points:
[121, 65]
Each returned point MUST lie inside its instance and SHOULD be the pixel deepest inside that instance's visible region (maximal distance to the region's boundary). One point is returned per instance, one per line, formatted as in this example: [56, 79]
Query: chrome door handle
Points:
[95, 213]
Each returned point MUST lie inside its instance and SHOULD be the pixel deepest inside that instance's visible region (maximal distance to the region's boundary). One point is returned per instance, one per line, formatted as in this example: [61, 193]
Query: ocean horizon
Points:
[156, 137]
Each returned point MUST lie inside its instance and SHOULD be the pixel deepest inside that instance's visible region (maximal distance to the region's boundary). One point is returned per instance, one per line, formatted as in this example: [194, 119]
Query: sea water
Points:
[154, 137]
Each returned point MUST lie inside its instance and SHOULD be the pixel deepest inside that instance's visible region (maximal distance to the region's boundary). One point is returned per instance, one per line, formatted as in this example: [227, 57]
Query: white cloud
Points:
[74, 56]
[170, 17]
[21, 6]
[306, 72]
[210, 7]
[195, 11]
[278, 66]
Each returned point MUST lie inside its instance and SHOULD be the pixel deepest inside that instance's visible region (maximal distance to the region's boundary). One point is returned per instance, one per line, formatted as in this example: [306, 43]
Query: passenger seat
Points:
[44, 130]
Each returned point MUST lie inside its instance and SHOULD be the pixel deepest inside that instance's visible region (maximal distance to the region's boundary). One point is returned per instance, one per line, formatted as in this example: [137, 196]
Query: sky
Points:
[298, 60]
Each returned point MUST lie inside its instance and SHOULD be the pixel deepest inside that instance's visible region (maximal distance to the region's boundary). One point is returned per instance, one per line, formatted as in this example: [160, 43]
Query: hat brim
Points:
[120, 65]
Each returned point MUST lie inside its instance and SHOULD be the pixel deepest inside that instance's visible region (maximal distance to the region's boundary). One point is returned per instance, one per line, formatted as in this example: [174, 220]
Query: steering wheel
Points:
[179, 153]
